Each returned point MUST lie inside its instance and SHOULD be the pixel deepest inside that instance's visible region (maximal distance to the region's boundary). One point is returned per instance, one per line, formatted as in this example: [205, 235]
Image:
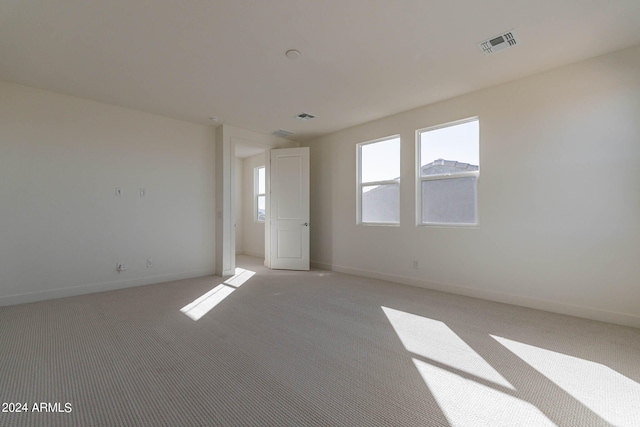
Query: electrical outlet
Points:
[415, 264]
[121, 266]
[149, 263]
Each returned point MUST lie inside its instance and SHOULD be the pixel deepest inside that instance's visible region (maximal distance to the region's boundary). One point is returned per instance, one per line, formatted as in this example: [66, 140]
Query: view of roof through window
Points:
[380, 161]
[457, 143]
[454, 147]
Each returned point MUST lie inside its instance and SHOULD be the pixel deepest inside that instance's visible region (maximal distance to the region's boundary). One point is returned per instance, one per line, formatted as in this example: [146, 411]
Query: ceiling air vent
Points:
[498, 43]
[282, 133]
[305, 116]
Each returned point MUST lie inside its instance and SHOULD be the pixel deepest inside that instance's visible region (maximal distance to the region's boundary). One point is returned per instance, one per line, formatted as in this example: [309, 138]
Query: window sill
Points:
[447, 225]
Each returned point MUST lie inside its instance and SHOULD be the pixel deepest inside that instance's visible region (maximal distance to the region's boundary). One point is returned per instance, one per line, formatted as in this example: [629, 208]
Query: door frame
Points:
[226, 137]
[265, 149]
[240, 217]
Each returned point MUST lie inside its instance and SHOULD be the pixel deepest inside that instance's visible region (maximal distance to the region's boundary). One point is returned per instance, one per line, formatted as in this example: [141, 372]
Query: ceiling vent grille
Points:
[305, 116]
[282, 133]
[498, 43]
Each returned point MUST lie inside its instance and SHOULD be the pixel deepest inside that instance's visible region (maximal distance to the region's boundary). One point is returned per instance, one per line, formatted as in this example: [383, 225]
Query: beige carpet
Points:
[310, 349]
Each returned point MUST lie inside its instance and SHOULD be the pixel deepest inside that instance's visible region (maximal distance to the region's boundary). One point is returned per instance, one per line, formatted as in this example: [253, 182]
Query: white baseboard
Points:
[523, 301]
[254, 254]
[225, 273]
[99, 287]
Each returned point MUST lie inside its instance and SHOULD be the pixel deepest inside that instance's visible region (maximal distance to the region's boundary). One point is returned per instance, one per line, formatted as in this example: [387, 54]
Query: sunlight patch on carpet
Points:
[205, 303]
[467, 403]
[606, 392]
[434, 340]
[468, 390]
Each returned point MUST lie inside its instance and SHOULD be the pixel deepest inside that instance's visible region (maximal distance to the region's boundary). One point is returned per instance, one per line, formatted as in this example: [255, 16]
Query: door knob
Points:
[306, 224]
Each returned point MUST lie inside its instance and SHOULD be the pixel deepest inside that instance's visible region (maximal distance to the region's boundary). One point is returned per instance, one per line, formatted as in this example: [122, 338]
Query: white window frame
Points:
[420, 179]
[256, 192]
[361, 184]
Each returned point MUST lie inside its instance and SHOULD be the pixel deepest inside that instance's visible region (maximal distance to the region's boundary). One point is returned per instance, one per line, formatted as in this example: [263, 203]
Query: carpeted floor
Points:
[310, 349]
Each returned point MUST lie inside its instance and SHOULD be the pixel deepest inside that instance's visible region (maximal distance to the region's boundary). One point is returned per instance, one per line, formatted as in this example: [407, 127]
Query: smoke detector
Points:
[305, 116]
[499, 42]
[282, 133]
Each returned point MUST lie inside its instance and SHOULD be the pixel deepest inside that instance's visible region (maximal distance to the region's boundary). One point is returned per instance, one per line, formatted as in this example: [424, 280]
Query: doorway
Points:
[281, 198]
[249, 200]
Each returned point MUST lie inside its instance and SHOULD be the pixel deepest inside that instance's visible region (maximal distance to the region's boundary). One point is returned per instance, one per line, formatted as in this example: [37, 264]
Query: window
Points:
[379, 181]
[259, 187]
[448, 172]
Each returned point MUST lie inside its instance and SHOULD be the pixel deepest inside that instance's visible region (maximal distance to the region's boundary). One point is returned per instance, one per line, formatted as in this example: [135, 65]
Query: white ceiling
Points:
[361, 59]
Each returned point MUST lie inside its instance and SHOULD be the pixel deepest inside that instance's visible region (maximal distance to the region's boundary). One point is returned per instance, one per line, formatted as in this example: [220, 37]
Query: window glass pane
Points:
[449, 201]
[381, 203]
[380, 161]
[451, 149]
[261, 181]
[261, 208]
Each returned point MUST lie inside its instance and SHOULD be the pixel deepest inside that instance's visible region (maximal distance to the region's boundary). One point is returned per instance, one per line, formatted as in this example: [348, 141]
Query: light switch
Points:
[118, 191]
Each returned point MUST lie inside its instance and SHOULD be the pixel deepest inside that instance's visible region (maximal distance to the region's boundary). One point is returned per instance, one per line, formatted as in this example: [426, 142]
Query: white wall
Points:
[558, 196]
[62, 229]
[239, 207]
[254, 231]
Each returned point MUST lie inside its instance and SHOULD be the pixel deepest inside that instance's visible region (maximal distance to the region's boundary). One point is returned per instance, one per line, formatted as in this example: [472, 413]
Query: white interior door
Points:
[289, 209]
